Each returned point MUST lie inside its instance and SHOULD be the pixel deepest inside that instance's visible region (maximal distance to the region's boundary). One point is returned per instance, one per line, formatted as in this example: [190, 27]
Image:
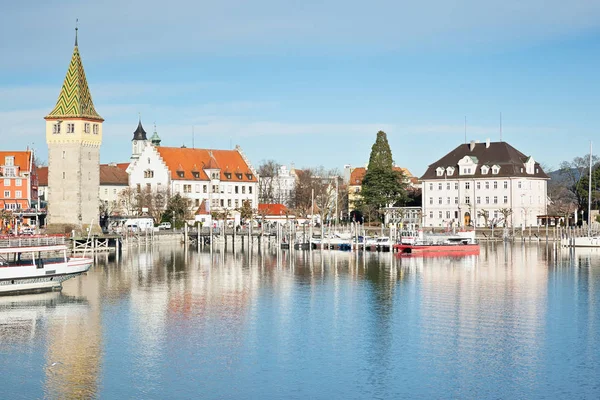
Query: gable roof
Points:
[272, 209]
[509, 159]
[22, 159]
[75, 99]
[186, 160]
[358, 174]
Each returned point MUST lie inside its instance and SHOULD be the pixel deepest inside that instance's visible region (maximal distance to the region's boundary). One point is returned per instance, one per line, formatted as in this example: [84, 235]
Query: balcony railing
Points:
[31, 241]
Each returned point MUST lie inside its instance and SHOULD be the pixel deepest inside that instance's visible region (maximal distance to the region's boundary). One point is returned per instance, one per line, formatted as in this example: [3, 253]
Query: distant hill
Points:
[559, 176]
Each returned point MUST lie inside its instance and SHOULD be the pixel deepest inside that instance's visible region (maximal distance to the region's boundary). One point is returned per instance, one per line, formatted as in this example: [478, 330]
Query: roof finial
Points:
[76, 29]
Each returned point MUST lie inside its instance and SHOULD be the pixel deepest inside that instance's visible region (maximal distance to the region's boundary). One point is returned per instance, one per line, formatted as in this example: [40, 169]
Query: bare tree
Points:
[128, 200]
[485, 214]
[506, 213]
[269, 191]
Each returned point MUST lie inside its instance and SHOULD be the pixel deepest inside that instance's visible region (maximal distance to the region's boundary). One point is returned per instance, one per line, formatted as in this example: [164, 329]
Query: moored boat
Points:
[37, 264]
[458, 243]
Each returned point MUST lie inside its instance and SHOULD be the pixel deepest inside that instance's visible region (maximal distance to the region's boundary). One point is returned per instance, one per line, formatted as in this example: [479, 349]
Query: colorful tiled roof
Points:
[358, 174]
[75, 99]
[230, 162]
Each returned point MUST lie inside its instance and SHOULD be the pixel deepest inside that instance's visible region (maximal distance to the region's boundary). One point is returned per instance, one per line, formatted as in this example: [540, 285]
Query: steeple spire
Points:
[75, 99]
[76, 29]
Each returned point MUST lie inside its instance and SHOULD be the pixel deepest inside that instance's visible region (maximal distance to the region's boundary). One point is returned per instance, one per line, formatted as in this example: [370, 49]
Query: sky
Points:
[311, 82]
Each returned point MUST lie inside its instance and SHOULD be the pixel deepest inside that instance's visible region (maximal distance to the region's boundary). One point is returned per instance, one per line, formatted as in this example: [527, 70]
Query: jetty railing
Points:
[31, 241]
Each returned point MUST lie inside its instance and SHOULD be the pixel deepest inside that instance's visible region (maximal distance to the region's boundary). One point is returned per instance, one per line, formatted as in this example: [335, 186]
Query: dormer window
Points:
[439, 171]
[228, 175]
[180, 174]
[249, 176]
[450, 171]
[239, 175]
[9, 161]
[495, 170]
[196, 174]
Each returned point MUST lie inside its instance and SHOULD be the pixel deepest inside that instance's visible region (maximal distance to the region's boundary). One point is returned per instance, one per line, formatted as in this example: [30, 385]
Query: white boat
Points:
[37, 264]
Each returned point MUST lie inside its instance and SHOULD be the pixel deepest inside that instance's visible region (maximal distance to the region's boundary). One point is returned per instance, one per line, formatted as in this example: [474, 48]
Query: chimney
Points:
[487, 143]
[472, 145]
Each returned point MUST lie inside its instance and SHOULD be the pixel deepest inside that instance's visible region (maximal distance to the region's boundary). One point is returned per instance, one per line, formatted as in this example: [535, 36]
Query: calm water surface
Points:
[520, 321]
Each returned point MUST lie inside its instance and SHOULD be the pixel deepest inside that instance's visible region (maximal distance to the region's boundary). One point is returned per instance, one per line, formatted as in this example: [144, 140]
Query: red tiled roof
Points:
[272, 209]
[113, 175]
[22, 159]
[202, 209]
[123, 165]
[109, 175]
[358, 174]
[187, 160]
[42, 173]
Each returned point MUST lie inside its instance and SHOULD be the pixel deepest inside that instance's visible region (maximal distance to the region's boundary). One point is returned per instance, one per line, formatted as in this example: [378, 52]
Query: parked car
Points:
[28, 231]
[164, 225]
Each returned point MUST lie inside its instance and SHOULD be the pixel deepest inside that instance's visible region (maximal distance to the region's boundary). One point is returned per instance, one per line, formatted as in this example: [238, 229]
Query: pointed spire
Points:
[75, 99]
[76, 29]
[140, 133]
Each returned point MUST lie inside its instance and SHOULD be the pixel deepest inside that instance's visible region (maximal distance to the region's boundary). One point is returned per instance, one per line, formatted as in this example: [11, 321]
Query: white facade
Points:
[511, 192]
[150, 170]
[284, 185]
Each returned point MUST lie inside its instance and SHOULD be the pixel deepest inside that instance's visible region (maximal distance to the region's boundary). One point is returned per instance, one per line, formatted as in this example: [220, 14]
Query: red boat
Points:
[462, 245]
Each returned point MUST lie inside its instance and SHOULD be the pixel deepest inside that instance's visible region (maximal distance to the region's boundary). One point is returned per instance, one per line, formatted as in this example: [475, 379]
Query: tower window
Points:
[64, 175]
[86, 127]
[89, 155]
[56, 129]
[96, 129]
[70, 128]
[148, 160]
[64, 154]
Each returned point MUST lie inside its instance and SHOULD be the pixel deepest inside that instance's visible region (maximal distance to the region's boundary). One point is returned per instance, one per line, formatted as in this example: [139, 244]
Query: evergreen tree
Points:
[382, 186]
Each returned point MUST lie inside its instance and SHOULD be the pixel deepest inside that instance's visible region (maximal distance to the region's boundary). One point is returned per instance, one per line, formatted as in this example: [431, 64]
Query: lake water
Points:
[517, 321]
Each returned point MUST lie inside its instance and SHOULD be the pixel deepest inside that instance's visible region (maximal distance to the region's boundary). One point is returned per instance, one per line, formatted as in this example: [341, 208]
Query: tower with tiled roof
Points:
[74, 136]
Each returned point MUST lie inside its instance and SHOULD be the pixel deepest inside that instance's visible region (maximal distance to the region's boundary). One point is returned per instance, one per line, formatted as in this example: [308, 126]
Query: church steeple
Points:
[139, 133]
[75, 99]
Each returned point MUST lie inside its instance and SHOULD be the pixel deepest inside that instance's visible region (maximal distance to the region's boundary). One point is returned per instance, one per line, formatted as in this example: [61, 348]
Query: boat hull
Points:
[437, 249]
[29, 279]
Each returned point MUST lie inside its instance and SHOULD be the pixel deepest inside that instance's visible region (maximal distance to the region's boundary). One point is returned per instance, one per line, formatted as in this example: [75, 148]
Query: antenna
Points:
[465, 129]
[76, 29]
[500, 125]
[193, 146]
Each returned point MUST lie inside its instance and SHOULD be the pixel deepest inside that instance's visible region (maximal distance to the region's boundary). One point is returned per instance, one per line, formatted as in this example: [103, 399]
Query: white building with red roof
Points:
[223, 179]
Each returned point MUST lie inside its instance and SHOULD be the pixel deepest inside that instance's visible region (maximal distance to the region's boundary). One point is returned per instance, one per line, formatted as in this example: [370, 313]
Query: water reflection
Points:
[164, 321]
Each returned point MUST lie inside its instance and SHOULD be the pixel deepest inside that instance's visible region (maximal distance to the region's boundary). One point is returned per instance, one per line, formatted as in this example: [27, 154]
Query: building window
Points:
[505, 184]
[431, 200]
[148, 173]
[70, 128]
[439, 186]
[243, 189]
[467, 185]
[114, 191]
[7, 182]
[197, 202]
[456, 200]
[456, 186]
[236, 203]
[478, 200]
[187, 188]
[236, 190]
[519, 185]
[86, 127]
[222, 203]
[495, 199]
[478, 185]
[96, 129]
[204, 188]
[250, 189]
[431, 186]
[505, 199]
[431, 214]
[197, 188]
[447, 214]
[447, 186]
[467, 200]
[487, 184]
[9, 161]
[228, 202]
[448, 200]
[439, 200]
[176, 187]
[105, 191]
[56, 129]
[487, 200]
[7, 194]
[440, 215]
[495, 184]
[64, 175]
[64, 154]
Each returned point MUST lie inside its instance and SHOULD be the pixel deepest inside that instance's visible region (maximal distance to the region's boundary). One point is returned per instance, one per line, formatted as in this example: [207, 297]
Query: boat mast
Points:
[590, 195]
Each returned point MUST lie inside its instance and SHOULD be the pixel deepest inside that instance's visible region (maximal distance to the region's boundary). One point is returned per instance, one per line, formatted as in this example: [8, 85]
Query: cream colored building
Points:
[74, 136]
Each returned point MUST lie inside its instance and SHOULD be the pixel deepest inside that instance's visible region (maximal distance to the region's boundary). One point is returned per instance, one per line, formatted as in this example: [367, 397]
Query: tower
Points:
[155, 139]
[74, 136]
[139, 142]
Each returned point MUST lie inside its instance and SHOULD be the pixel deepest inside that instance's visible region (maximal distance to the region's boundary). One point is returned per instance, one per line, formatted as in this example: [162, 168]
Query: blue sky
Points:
[312, 82]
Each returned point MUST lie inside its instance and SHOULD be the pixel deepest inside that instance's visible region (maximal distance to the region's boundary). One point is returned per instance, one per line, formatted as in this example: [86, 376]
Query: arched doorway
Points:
[467, 218]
